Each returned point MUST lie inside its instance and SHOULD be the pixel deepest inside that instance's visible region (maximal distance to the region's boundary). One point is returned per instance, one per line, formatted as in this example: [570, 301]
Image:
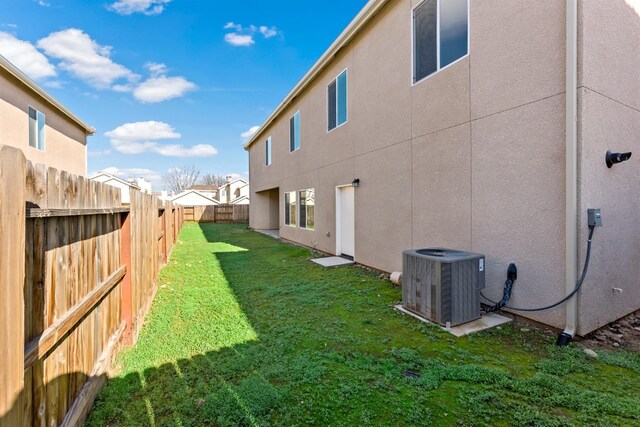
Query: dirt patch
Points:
[621, 334]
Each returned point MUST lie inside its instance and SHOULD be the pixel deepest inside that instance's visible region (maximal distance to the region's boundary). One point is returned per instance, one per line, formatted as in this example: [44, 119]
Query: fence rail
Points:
[78, 273]
[217, 213]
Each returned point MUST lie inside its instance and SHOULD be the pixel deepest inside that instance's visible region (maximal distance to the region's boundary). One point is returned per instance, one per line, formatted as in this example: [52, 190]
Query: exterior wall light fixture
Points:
[355, 182]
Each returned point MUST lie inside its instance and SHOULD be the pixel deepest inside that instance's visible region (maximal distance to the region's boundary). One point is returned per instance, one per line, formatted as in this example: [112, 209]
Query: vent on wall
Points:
[443, 285]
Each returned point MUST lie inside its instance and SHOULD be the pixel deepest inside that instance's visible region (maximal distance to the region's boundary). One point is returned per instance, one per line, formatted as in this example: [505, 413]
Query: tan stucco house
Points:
[475, 125]
[32, 120]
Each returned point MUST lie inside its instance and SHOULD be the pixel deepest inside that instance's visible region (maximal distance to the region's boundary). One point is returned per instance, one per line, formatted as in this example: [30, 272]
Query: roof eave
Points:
[363, 17]
[15, 72]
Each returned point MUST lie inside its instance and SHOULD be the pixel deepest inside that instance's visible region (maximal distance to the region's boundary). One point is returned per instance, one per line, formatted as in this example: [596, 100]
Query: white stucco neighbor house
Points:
[114, 181]
[193, 198]
[234, 192]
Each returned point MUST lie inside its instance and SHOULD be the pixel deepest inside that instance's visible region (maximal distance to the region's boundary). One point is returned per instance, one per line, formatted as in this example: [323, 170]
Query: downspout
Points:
[571, 227]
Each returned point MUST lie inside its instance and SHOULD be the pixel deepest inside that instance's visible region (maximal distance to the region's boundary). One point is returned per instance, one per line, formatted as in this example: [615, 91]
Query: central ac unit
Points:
[442, 285]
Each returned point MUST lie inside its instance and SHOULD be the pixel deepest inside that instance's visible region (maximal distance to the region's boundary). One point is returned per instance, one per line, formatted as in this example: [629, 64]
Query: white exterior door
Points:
[346, 221]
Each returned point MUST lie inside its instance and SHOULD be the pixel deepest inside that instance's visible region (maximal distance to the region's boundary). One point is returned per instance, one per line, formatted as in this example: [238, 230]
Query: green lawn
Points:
[246, 330]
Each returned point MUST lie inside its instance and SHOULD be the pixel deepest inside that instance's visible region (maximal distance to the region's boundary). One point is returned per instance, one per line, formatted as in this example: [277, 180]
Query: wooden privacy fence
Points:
[78, 272]
[218, 213]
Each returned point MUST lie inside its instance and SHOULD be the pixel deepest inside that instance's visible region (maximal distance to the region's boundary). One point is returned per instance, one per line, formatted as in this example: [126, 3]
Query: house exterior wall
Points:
[192, 199]
[65, 141]
[470, 158]
[609, 101]
[124, 188]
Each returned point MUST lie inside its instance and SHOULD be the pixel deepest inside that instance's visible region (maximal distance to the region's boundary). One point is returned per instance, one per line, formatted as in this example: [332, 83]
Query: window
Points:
[440, 35]
[337, 101]
[290, 208]
[294, 132]
[36, 129]
[268, 151]
[307, 209]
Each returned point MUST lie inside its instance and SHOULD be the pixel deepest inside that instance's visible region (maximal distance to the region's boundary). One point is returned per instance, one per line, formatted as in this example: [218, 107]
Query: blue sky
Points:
[169, 82]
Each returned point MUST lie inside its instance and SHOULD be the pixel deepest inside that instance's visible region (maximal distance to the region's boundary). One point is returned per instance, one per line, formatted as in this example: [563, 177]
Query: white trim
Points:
[187, 192]
[44, 143]
[363, 17]
[15, 72]
[269, 152]
[114, 178]
[305, 215]
[284, 219]
[294, 132]
[413, 47]
[338, 214]
[239, 199]
[345, 70]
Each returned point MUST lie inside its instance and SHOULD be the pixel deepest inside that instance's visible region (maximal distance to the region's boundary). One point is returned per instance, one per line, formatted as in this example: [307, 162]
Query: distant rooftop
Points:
[204, 187]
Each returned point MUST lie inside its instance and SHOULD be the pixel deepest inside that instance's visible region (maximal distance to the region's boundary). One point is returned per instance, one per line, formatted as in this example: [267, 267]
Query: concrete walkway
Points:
[271, 233]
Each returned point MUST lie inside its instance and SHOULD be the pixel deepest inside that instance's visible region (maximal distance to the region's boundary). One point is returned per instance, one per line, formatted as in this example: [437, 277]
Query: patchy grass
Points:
[247, 331]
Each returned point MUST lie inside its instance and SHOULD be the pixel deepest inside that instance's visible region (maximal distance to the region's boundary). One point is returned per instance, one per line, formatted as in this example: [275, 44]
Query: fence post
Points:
[125, 259]
[12, 270]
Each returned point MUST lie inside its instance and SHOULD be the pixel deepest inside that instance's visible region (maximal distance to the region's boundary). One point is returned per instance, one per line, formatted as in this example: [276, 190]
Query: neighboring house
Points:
[143, 184]
[234, 192]
[193, 198]
[124, 186]
[208, 190]
[442, 123]
[31, 120]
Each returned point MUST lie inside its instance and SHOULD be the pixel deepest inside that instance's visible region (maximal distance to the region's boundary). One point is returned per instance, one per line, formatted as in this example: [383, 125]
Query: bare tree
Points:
[213, 179]
[180, 179]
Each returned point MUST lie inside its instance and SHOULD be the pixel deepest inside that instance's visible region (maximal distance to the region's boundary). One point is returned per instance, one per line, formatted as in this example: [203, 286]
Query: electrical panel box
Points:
[443, 285]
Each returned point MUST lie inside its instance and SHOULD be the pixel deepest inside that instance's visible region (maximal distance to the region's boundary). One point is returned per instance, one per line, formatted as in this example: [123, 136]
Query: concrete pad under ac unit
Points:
[487, 321]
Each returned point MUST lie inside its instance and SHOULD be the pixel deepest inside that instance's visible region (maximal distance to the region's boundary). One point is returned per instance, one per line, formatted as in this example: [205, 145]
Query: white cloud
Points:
[162, 88]
[252, 131]
[43, 3]
[84, 58]
[143, 137]
[268, 32]
[54, 84]
[26, 57]
[156, 69]
[98, 153]
[244, 36]
[147, 7]
[233, 25]
[236, 39]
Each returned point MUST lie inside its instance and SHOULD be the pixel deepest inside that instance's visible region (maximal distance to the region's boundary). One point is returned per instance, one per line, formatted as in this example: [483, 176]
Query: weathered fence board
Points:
[12, 259]
[78, 272]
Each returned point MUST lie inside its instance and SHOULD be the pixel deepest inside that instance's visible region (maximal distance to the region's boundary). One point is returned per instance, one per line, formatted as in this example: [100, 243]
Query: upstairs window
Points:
[337, 101]
[294, 132]
[307, 209]
[440, 35]
[36, 129]
[290, 208]
[268, 151]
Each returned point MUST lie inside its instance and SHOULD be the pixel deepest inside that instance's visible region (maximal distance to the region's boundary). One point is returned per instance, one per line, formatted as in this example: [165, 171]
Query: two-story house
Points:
[475, 125]
[33, 121]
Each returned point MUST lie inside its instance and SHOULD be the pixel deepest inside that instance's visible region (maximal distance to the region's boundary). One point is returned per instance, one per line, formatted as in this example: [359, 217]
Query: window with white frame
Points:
[307, 208]
[337, 101]
[294, 132]
[36, 129]
[440, 35]
[290, 206]
[268, 151]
